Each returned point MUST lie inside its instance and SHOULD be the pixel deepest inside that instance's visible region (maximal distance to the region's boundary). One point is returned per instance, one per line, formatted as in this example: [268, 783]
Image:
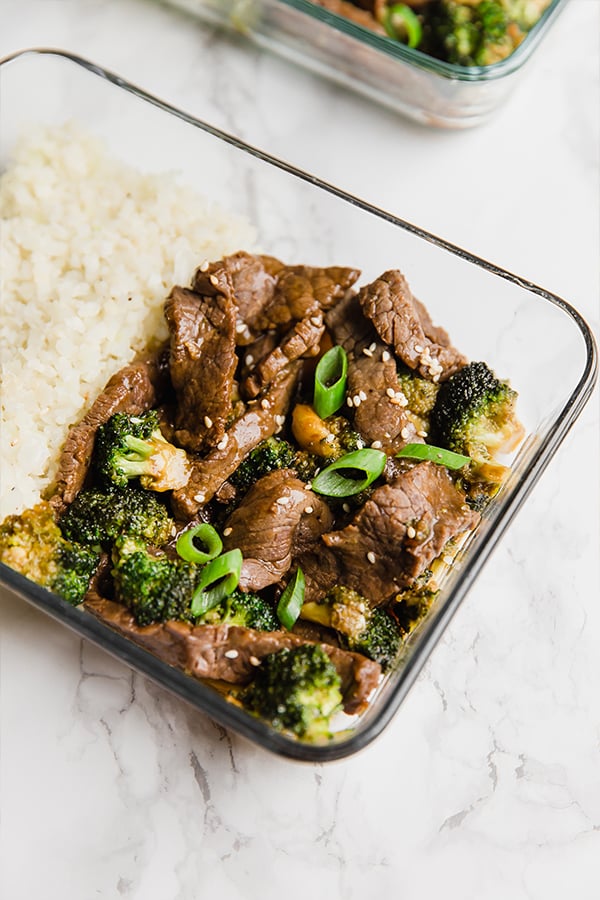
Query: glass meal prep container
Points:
[300, 219]
[413, 83]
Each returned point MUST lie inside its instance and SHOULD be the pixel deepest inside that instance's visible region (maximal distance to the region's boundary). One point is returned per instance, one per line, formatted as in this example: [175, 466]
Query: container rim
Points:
[195, 692]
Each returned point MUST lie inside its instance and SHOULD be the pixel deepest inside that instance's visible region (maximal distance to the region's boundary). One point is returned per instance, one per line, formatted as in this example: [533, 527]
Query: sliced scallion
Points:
[436, 454]
[402, 24]
[350, 474]
[290, 602]
[203, 534]
[219, 578]
[330, 382]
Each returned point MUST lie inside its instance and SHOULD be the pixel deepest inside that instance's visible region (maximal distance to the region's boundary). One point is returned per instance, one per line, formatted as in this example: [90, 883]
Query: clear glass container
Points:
[425, 89]
[301, 219]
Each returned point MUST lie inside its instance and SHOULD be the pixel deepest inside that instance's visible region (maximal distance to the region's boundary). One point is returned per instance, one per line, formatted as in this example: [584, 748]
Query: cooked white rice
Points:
[89, 249]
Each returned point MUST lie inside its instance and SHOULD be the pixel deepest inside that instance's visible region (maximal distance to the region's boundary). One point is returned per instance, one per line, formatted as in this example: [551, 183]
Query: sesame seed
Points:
[308, 510]
[418, 348]
[422, 434]
[199, 498]
[346, 507]
[283, 501]
[372, 347]
[240, 327]
[362, 395]
[436, 378]
[356, 399]
[390, 392]
[254, 661]
[204, 266]
[316, 320]
[264, 403]
[280, 419]
[231, 654]
[330, 439]
[367, 352]
[385, 356]
[249, 359]
[223, 442]
[349, 401]
[227, 531]
[411, 532]
[405, 433]
[371, 556]
[208, 421]
[448, 560]
[376, 445]
[214, 280]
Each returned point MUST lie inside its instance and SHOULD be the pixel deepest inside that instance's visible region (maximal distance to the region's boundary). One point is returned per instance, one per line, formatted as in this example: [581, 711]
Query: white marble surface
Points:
[486, 786]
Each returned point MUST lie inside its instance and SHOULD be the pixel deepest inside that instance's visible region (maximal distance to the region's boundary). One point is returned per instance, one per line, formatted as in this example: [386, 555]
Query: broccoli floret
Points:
[133, 447]
[97, 517]
[470, 34]
[154, 587]
[346, 439]
[411, 606]
[329, 438]
[421, 396]
[32, 544]
[249, 610]
[306, 465]
[296, 690]
[474, 414]
[372, 632]
[271, 454]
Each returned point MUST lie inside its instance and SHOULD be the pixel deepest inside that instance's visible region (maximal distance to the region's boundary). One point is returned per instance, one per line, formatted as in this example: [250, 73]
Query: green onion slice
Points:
[218, 580]
[330, 382]
[350, 474]
[290, 602]
[402, 24]
[436, 454]
[203, 534]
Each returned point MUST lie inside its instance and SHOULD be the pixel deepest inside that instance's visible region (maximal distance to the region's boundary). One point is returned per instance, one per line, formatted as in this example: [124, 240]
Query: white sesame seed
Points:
[223, 442]
[448, 560]
[173, 531]
[284, 501]
[356, 399]
[346, 507]
[362, 395]
[330, 439]
[367, 352]
[385, 434]
[436, 378]
[208, 421]
[376, 445]
[405, 433]
[254, 661]
[422, 434]
[204, 266]
[385, 356]
[372, 347]
[214, 280]
[411, 532]
[280, 419]
[264, 403]
[349, 401]
[418, 348]
[227, 531]
[231, 654]
[371, 556]
[240, 327]
[316, 320]
[390, 392]
[249, 359]
[199, 498]
[308, 510]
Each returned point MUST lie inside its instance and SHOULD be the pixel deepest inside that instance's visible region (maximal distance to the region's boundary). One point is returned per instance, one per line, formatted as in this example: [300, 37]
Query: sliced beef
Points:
[404, 324]
[349, 11]
[373, 387]
[265, 524]
[202, 363]
[399, 531]
[303, 291]
[134, 389]
[207, 651]
[258, 422]
[303, 340]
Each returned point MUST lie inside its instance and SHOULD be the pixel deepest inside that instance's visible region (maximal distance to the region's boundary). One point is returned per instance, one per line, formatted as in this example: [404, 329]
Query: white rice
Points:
[89, 249]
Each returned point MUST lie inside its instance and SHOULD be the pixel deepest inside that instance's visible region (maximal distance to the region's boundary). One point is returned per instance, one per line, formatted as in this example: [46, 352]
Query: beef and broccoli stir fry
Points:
[262, 501]
[463, 32]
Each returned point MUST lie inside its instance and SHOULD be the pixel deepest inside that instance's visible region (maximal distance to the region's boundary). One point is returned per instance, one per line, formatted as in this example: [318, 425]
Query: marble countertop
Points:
[486, 785]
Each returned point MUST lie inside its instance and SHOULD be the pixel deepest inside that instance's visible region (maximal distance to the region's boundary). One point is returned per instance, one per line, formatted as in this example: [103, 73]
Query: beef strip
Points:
[303, 340]
[202, 363]
[303, 291]
[349, 11]
[399, 531]
[258, 422]
[264, 526]
[372, 377]
[134, 389]
[206, 651]
[404, 324]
